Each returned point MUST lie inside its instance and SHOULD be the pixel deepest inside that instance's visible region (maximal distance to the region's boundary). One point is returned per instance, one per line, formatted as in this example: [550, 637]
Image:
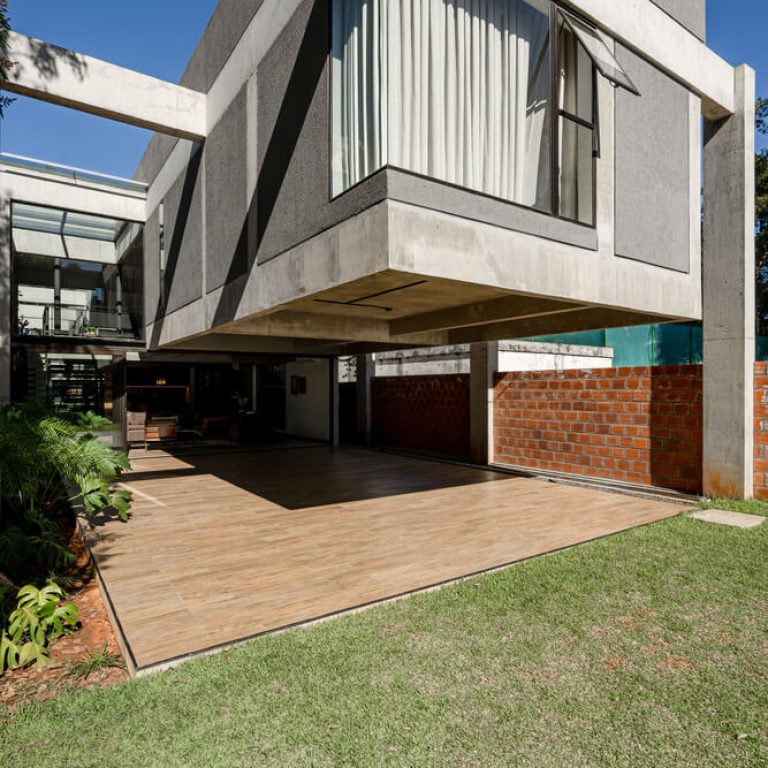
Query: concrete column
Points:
[484, 363]
[119, 299]
[333, 373]
[6, 301]
[366, 368]
[728, 264]
[254, 387]
[57, 296]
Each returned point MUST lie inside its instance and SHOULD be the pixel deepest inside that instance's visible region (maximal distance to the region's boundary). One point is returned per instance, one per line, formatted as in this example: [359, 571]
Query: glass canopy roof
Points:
[55, 221]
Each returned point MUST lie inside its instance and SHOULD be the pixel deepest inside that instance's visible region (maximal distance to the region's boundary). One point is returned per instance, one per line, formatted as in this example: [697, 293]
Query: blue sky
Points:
[121, 33]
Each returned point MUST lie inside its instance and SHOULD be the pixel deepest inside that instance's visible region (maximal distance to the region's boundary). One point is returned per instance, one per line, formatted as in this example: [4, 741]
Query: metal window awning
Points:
[598, 51]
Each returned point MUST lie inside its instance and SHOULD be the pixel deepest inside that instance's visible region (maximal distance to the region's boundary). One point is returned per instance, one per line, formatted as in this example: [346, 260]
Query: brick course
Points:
[761, 430]
[426, 414]
[636, 425]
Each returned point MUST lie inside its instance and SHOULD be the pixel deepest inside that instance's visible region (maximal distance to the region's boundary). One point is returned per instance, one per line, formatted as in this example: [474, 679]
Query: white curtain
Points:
[468, 94]
[453, 89]
[358, 60]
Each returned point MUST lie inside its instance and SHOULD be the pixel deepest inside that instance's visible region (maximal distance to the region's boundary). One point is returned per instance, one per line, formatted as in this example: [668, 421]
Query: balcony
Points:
[76, 276]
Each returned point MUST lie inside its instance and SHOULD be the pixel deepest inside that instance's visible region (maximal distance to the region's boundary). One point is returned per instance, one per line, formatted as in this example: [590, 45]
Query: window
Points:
[577, 127]
[474, 95]
[581, 55]
[76, 275]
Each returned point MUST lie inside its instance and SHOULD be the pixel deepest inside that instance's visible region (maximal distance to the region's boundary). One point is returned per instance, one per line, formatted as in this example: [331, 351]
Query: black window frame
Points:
[557, 21]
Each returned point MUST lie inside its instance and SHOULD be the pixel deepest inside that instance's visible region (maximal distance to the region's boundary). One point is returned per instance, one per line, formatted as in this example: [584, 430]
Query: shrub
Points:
[89, 421]
[47, 469]
[39, 619]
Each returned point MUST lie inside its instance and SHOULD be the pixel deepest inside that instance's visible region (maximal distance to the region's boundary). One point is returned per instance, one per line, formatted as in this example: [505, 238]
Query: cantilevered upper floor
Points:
[351, 175]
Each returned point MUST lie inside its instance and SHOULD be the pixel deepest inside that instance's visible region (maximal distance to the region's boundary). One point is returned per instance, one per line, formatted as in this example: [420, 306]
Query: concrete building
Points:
[424, 175]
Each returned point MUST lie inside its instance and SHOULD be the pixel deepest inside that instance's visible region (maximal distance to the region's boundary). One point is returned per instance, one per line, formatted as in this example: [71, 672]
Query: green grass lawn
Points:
[644, 649]
[748, 507]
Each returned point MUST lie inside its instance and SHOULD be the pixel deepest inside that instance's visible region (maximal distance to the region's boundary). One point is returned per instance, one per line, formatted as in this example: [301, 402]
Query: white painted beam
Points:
[31, 187]
[60, 76]
[656, 36]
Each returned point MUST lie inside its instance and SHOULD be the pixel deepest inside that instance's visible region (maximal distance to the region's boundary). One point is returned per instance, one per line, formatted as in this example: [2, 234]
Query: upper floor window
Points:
[464, 93]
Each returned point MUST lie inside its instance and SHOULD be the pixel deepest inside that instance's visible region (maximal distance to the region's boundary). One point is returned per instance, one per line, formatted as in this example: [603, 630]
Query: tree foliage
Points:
[5, 63]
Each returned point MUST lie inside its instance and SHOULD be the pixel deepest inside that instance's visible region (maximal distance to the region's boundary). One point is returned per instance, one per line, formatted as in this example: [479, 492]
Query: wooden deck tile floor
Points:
[225, 546]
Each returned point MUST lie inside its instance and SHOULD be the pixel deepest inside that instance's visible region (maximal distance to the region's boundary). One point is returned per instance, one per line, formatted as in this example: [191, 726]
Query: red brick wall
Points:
[640, 425]
[427, 414]
[761, 430]
[637, 425]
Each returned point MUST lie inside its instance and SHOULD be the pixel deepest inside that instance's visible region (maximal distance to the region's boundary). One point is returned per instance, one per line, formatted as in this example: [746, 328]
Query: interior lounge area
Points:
[205, 402]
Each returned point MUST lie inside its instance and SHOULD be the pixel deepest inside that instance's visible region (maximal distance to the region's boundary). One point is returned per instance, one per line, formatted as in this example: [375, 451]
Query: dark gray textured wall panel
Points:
[692, 14]
[158, 151]
[460, 202]
[293, 133]
[293, 188]
[653, 197]
[151, 267]
[225, 191]
[184, 237]
[224, 30]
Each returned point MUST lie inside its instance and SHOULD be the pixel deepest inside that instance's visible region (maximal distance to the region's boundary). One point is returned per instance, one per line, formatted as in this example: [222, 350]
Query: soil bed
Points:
[93, 633]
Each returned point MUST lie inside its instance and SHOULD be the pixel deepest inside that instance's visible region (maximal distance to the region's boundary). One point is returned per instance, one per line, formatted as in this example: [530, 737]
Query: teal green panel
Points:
[678, 344]
[581, 338]
[631, 346]
[761, 348]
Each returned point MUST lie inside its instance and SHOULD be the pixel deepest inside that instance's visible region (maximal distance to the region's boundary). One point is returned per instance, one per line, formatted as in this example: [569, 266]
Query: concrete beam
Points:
[480, 313]
[434, 244]
[315, 325]
[39, 189]
[60, 76]
[729, 296]
[592, 319]
[656, 36]
[256, 345]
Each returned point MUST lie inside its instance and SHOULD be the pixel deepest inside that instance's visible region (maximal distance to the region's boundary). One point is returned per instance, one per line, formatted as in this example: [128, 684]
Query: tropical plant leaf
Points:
[9, 653]
[39, 619]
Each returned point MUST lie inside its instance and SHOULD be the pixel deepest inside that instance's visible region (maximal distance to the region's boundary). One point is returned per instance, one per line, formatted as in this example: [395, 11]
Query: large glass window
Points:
[473, 94]
[76, 275]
